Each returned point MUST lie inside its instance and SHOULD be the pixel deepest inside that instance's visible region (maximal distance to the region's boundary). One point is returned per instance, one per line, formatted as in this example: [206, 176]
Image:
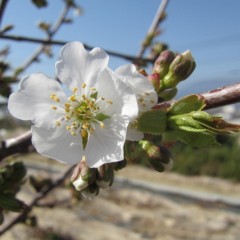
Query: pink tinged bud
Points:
[155, 81]
[163, 62]
[180, 69]
[83, 176]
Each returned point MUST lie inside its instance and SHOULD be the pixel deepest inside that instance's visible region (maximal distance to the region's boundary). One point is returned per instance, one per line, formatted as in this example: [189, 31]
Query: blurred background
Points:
[133, 209]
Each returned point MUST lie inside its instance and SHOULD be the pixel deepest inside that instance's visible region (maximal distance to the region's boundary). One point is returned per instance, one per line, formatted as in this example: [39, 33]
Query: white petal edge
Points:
[58, 144]
[106, 145]
[122, 96]
[78, 66]
[32, 101]
[134, 134]
[140, 85]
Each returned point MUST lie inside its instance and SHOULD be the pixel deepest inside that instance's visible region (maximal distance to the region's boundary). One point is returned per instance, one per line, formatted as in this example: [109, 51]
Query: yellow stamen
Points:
[75, 90]
[67, 117]
[54, 107]
[67, 105]
[72, 98]
[84, 85]
[52, 96]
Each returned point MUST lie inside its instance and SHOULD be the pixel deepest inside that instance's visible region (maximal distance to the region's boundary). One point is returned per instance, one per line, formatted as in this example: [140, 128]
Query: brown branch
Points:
[15, 145]
[61, 43]
[51, 33]
[222, 96]
[23, 215]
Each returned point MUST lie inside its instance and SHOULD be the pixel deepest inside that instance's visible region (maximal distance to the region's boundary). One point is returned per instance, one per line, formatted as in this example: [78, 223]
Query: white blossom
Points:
[92, 122]
[145, 94]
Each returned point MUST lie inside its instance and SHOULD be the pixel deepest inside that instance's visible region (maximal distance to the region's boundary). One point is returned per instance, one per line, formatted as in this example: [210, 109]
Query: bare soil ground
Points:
[139, 207]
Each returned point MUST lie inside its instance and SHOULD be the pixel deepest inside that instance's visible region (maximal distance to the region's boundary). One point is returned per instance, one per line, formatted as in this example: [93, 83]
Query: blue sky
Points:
[210, 29]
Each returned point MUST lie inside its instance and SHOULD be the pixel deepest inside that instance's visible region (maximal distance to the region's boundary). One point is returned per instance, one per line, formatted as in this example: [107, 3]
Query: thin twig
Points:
[22, 216]
[3, 5]
[61, 43]
[15, 145]
[51, 33]
[153, 28]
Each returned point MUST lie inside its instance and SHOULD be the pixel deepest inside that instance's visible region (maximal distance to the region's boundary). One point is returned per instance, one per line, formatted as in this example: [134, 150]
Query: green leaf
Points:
[194, 139]
[153, 122]
[184, 120]
[187, 104]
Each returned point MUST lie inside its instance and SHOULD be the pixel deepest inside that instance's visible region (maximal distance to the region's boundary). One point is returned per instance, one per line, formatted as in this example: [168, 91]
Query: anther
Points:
[54, 107]
[75, 90]
[84, 85]
[72, 98]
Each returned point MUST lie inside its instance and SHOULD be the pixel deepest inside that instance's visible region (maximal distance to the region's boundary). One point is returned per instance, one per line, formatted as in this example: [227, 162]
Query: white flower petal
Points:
[133, 134]
[144, 90]
[32, 101]
[123, 99]
[57, 143]
[106, 145]
[78, 66]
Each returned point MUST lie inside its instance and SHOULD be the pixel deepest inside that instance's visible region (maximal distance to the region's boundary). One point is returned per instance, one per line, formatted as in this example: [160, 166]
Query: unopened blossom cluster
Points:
[92, 121]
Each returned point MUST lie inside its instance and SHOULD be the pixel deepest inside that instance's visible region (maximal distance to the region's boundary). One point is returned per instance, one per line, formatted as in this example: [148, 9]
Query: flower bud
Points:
[83, 176]
[105, 176]
[119, 165]
[154, 79]
[160, 158]
[181, 68]
[91, 191]
[163, 62]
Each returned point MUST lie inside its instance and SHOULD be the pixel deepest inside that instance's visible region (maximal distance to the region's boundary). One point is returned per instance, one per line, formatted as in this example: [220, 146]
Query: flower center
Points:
[82, 113]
